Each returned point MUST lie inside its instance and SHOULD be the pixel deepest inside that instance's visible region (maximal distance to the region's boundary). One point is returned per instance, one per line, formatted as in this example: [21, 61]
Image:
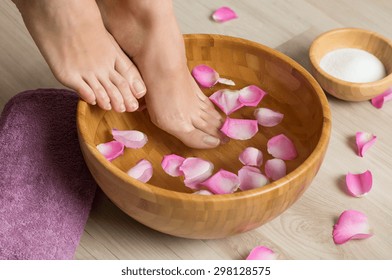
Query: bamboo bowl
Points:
[164, 203]
[369, 41]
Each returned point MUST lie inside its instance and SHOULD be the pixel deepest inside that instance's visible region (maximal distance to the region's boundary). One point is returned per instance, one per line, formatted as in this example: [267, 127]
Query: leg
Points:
[80, 52]
[148, 32]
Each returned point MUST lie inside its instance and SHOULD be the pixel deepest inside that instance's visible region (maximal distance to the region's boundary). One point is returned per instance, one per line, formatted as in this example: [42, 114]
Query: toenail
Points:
[139, 87]
[209, 140]
[108, 106]
[134, 105]
[93, 102]
[122, 108]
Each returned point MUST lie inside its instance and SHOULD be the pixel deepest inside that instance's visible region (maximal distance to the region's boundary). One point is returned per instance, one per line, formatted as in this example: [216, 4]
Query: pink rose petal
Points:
[282, 147]
[203, 192]
[240, 129]
[111, 150]
[224, 14]
[251, 95]
[364, 141]
[359, 184]
[261, 253]
[222, 182]
[351, 225]
[142, 171]
[205, 75]
[251, 178]
[130, 138]
[196, 171]
[275, 169]
[226, 100]
[268, 118]
[171, 165]
[251, 156]
[225, 81]
[379, 100]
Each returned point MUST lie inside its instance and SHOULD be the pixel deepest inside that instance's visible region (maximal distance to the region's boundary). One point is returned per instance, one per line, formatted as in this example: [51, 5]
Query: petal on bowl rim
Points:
[171, 165]
[261, 253]
[251, 95]
[359, 184]
[351, 224]
[251, 178]
[224, 14]
[379, 100]
[133, 139]
[239, 129]
[196, 171]
[364, 141]
[267, 117]
[275, 168]
[142, 171]
[205, 75]
[280, 146]
[226, 100]
[251, 156]
[225, 81]
[222, 182]
[111, 150]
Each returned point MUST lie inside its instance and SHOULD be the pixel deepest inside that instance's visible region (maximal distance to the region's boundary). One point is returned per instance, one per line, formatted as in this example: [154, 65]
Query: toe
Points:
[83, 89]
[130, 101]
[99, 92]
[114, 94]
[129, 71]
[207, 127]
[199, 139]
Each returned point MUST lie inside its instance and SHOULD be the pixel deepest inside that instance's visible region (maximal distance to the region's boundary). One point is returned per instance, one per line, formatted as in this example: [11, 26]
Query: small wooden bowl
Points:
[369, 41]
[165, 204]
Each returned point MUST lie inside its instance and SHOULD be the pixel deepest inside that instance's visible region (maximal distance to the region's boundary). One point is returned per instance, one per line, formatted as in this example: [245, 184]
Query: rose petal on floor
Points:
[351, 224]
[268, 118]
[280, 146]
[275, 169]
[196, 171]
[240, 129]
[261, 253]
[222, 182]
[111, 150]
[251, 95]
[359, 184]
[226, 100]
[379, 100]
[251, 156]
[225, 81]
[364, 141]
[171, 165]
[203, 192]
[224, 14]
[142, 171]
[205, 76]
[130, 138]
[251, 178]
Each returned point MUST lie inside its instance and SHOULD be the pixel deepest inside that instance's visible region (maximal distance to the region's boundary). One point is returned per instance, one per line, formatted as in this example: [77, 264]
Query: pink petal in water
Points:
[196, 171]
[130, 138]
[225, 81]
[359, 184]
[261, 253]
[282, 147]
[364, 141]
[275, 169]
[251, 178]
[205, 75]
[171, 165]
[268, 118]
[111, 150]
[142, 171]
[226, 100]
[351, 224]
[251, 156]
[379, 100]
[251, 95]
[224, 14]
[239, 129]
[222, 182]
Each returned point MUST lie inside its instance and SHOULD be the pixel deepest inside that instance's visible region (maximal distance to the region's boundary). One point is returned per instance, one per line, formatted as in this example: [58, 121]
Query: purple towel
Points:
[46, 190]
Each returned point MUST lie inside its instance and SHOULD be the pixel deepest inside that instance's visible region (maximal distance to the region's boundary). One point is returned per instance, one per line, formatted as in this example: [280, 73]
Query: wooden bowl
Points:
[165, 204]
[369, 41]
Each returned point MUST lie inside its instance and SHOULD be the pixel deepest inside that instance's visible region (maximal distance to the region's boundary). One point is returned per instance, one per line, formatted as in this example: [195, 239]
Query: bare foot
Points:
[148, 32]
[81, 53]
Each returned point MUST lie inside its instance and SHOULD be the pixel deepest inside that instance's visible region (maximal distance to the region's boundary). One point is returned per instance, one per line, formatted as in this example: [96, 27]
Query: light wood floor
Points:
[304, 230]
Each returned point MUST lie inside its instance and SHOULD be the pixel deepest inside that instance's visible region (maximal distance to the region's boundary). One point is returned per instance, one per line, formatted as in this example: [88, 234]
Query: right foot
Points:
[81, 54]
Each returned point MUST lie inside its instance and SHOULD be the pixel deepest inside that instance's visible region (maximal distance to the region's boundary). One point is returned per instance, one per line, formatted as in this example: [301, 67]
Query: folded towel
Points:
[46, 190]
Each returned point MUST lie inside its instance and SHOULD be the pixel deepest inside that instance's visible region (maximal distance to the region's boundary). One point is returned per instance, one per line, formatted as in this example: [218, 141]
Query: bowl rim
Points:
[300, 170]
[332, 79]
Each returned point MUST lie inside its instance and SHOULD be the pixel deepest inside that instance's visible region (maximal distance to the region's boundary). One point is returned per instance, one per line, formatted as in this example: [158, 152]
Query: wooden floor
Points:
[304, 230]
